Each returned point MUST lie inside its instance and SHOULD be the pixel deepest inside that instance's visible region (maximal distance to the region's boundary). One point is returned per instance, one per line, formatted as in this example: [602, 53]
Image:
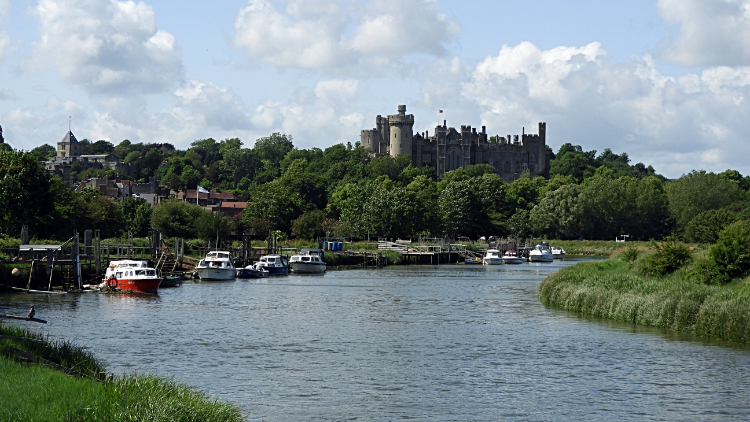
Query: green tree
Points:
[697, 192]
[175, 218]
[44, 152]
[309, 225]
[211, 226]
[136, 214]
[274, 202]
[100, 213]
[560, 214]
[25, 196]
[273, 148]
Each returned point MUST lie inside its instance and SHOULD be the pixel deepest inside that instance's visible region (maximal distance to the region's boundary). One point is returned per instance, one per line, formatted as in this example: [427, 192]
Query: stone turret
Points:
[69, 146]
[401, 132]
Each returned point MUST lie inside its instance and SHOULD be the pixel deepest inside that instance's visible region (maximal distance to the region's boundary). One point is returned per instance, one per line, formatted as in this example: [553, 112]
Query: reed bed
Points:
[35, 392]
[613, 289]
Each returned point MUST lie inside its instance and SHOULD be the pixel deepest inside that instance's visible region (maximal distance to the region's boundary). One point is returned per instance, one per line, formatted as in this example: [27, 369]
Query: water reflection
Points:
[448, 342]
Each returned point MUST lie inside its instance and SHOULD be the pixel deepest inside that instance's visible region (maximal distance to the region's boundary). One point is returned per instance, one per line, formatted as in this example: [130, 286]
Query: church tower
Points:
[68, 147]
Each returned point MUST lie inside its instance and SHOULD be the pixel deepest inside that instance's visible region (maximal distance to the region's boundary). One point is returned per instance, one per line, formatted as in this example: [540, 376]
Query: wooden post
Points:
[24, 235]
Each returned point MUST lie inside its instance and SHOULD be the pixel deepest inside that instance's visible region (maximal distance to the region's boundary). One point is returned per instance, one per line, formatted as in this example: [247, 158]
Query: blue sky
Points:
[666, 81]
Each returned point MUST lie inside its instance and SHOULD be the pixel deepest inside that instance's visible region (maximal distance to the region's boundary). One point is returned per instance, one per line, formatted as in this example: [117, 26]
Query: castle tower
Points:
[401, 132]
[68, 147]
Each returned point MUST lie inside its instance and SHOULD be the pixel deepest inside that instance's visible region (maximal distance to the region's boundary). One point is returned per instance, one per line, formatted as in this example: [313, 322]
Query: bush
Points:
[670, 255]
[630, 254]
[729, 257]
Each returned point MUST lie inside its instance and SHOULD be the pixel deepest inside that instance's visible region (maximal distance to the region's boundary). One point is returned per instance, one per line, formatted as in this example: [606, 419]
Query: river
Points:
[448, 342]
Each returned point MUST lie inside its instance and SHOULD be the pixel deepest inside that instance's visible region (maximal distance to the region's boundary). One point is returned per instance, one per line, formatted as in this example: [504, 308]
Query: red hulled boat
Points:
[132, 275]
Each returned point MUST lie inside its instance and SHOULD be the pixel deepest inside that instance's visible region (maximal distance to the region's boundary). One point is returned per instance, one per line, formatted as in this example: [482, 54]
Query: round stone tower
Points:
[402, 132]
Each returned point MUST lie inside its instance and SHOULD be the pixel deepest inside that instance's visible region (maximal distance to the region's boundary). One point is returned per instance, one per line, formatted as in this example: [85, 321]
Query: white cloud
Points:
[106, 46]
[337, 91]
[5, 43]
[698, 121]
[328, 34]
[214, 106]
[712, 33]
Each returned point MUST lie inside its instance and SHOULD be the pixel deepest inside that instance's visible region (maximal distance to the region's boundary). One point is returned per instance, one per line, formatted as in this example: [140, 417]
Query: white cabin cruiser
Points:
[558, 252]
[511, 257]
[541, 253]
[492, 257]
[308, 261]
[217, 265]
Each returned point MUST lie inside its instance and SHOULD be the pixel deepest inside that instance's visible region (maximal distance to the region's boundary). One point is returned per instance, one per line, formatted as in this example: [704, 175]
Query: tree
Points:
[44, 152]
[560, 214]
[136, 214]
[100, 213]
[697, 192]
[274, 202]
[175, 218]
[273, 148]
[706, 226]
[25, 196]
[211, 225]
[309, 225]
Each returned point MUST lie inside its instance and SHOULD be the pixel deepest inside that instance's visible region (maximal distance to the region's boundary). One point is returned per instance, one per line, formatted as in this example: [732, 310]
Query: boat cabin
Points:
[219, 255]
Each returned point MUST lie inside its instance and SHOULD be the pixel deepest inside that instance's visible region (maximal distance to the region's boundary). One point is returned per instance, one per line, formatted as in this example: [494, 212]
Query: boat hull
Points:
[307, 268]
[251, 273]
[170, 282]
[514, 260]
[540, 258]
[277, 270]
[492, 261]
[216, 273]
[148, 285]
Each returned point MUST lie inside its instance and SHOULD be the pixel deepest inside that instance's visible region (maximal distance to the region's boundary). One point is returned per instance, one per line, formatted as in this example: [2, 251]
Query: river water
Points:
[449, 342]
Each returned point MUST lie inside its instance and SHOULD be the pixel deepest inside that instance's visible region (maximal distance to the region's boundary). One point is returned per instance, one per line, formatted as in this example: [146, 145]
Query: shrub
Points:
[670, 255]
[729, 257]
[630, 254]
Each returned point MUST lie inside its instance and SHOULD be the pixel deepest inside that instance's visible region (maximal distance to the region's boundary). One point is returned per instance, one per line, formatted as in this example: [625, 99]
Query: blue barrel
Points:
[331, 246]
[339, 246]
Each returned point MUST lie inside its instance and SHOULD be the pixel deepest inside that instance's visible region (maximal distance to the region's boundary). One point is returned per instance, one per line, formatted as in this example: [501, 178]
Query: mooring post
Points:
[87, 235]
[24, 235]
[98, 253]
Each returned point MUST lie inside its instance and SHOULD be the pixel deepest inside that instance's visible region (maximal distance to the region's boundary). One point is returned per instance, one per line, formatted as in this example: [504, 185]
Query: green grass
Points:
[35, 392]
[595, 247]
[613, 289]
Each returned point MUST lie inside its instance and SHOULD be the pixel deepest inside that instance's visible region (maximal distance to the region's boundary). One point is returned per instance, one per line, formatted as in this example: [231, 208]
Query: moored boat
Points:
[251, 272]
[541, 253]
[473, 261]
[308, 261]
[511, 257]
[558, 252]
[132, 275]
[217, 265]
[170, 281]
[274, 264]
[492, 257]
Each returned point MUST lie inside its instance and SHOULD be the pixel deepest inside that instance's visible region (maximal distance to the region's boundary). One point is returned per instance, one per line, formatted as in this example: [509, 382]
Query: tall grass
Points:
[33, 392]
[595, 247]
[613, 289]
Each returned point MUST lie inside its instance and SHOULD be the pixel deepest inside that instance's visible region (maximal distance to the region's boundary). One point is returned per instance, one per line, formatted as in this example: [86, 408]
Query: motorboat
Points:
[308, 261]
[170, 281]
[274, 264]
[217, 265]
[492, 257]
[541, 253]
[558, 252]
[131, 275]
[511, 257]
[473, 261]
[252, 272]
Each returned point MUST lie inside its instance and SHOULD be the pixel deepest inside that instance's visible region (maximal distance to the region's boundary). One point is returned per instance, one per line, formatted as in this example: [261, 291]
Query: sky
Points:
[662, 80]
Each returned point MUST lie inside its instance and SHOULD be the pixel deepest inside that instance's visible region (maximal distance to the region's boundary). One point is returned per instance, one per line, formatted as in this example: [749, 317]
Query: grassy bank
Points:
[40, 392]
[594, 247]
[613, 289]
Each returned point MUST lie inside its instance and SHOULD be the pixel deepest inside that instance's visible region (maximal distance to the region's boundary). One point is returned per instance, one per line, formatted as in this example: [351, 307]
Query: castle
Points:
[449, 149]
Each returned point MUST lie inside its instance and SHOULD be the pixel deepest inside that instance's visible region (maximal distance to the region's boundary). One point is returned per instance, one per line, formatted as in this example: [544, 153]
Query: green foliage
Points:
[211, 225]
[670, 255]
[273, 148]
[26, 196]
[706, 226]
[274, 202]
[309, 225]
[100, 213]
[729, 258]
[175, 218]
[630, 254]
[697, 192]
[44, 152]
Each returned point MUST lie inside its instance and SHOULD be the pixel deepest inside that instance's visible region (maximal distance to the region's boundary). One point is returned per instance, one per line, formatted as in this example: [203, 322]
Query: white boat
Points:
[511, 257]
[216, 265]
[492, 257]
[541, 253]
[274, 264]
[308, 261]
[558, 252]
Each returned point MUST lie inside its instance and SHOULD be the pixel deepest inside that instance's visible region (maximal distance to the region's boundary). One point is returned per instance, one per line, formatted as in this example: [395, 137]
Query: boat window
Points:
[140, 272]
[271, 259]
[118, 275]
[306, 258]
[151, 272]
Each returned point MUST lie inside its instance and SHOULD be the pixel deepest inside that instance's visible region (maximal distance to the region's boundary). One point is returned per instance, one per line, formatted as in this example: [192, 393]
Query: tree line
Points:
[343, 191]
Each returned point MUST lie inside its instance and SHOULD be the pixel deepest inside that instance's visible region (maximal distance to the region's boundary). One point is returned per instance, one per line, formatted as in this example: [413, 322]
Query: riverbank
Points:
[613, 289]
[599, 248]
[85, 393]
